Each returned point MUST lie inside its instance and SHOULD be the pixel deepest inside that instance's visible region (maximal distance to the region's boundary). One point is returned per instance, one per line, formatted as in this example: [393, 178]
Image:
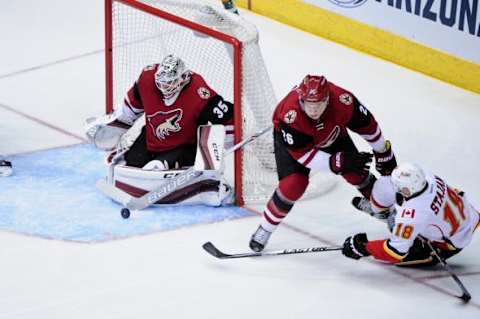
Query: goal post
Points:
[220, 46]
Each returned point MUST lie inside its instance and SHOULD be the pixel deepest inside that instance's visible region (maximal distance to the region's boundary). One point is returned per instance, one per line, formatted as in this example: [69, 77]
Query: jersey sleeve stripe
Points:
[131, 107]
[372, 138]
[392, 251]
[382, 251]
[309, 157]
[376, 204]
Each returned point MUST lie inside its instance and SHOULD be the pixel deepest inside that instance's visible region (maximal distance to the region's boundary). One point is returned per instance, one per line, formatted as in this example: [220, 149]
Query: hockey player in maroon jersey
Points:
[310, 135]
[174, 101]
[428, 209]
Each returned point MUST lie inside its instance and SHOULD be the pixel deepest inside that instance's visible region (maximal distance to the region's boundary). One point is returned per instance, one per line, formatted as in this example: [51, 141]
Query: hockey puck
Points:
[125, 212]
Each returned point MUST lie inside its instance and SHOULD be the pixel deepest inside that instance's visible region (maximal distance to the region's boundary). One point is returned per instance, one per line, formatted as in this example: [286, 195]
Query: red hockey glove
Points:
[356, 246]
[342, 162]
[385, 161]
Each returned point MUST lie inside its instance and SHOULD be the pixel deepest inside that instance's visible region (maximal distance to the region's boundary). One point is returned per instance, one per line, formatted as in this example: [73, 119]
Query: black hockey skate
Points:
[364, 205]
[259, 239]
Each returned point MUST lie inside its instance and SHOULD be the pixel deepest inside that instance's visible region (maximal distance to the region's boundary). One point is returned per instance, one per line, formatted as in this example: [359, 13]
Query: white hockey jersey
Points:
[436, 213]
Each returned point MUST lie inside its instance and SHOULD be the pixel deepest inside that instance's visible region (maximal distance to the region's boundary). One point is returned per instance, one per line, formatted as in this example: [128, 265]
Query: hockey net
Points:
[223, 48]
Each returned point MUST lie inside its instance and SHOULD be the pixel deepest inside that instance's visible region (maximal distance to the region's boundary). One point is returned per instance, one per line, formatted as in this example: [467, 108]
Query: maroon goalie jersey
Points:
[301, 133]
[170, 126]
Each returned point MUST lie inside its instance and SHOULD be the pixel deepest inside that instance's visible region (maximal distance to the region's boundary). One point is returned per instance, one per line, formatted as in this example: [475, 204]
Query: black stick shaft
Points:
[214, 251]
[465, 294]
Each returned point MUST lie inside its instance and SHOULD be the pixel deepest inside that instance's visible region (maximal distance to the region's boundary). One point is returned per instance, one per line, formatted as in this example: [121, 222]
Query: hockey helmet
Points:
[313, 93]
[408, 179]
[171, 75]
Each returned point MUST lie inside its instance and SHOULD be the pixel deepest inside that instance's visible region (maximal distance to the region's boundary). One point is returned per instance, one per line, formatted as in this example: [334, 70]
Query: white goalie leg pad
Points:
[209, 188]
[210, 148]
[201, 184]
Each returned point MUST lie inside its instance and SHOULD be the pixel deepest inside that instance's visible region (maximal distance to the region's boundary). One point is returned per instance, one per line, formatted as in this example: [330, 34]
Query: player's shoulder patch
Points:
[290, 116]
[346, 98]
[203, 93]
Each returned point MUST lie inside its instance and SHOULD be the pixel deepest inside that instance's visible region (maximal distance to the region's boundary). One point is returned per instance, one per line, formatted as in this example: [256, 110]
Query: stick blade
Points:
[466, 297]
[212, 250]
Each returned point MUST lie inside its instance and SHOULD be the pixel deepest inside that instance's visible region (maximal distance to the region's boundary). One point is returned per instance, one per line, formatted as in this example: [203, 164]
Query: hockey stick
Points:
[173, 184]
[215, 252]
[248, 140]
[465, 294]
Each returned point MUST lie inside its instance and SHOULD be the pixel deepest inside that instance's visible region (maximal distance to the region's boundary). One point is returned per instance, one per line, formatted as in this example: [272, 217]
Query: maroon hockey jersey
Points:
[168, 127]
[301, 134]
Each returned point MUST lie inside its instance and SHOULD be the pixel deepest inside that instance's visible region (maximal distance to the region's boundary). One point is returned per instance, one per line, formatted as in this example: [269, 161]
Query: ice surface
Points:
[166, 274]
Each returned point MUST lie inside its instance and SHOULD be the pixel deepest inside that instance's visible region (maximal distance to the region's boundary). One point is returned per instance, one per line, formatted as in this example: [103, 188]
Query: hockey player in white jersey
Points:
[426, 208]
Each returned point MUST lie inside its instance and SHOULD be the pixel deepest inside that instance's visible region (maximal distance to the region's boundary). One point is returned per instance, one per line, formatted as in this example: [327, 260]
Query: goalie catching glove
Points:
[105, 131]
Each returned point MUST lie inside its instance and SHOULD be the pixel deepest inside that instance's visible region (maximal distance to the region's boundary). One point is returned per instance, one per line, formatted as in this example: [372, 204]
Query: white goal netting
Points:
[141, 36]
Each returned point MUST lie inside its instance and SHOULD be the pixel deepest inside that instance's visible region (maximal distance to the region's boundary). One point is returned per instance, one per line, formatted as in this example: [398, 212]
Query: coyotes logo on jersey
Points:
[331, 138]
[162, 123]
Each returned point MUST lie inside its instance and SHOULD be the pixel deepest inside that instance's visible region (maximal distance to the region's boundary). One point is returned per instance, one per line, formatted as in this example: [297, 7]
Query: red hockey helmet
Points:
[313, 93]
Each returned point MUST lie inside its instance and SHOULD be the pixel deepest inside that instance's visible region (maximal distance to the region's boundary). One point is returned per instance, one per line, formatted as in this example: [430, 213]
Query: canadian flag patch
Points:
[408, 212]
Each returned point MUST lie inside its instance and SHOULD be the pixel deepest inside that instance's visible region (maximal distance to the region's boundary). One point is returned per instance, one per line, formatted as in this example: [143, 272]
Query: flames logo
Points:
[163, 123]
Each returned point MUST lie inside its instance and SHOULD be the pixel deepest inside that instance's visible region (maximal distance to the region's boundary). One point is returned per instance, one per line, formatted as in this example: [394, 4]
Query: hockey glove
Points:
[356, 246]
[342, 162]
[385, 161]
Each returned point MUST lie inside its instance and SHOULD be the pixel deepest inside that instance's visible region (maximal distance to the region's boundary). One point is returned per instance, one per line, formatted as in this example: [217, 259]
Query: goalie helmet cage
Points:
[220, 46]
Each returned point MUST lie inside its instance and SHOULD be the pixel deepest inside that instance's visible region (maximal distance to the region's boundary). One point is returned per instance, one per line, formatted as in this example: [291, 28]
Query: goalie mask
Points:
[313, 94]
[171, 76]
[408, 179]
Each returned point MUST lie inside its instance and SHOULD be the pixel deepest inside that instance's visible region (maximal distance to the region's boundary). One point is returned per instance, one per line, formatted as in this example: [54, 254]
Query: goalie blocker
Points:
[203, 183]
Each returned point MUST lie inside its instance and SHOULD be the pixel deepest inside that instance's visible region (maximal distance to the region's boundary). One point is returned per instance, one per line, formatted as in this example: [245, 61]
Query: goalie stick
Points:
[215, 252]
[465, 297]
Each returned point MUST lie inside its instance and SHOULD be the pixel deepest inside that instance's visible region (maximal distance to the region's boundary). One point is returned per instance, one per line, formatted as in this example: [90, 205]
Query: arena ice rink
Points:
[52, 78]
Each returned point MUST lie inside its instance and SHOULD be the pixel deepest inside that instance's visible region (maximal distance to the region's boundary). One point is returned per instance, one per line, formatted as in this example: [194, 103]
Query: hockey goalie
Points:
[166, 140]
